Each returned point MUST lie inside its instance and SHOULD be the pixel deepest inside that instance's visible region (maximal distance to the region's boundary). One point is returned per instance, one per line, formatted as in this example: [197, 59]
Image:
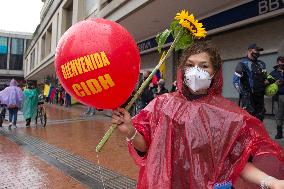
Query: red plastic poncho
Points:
[197, 143]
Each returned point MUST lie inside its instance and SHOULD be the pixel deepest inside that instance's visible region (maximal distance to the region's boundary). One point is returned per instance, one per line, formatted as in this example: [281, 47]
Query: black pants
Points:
[246, 102]
[253, 103]
[28, 121]
[258, 105]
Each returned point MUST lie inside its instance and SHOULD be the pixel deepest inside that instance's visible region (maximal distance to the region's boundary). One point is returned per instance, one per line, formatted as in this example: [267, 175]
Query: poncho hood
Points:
[13, 82]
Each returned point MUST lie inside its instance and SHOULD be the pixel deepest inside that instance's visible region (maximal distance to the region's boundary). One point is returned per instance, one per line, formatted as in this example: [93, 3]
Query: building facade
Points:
[231, 24]
[12, 48]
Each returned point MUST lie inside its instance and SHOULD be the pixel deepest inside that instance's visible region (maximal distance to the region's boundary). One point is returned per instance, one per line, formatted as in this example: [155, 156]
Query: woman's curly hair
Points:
[200, 47]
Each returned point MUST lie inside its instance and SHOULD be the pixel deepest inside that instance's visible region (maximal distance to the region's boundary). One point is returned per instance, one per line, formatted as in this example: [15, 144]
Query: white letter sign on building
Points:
[266, 6]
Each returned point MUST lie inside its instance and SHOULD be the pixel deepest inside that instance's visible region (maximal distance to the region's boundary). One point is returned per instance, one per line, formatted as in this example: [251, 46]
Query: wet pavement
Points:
[21, 169]
[78, 136]
[62, 154]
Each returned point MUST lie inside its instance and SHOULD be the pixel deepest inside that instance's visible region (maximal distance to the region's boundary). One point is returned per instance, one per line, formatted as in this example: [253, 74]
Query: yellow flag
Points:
[46, 90]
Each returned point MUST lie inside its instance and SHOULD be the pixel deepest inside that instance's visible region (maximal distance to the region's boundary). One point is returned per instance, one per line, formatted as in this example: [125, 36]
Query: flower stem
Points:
[140, 90]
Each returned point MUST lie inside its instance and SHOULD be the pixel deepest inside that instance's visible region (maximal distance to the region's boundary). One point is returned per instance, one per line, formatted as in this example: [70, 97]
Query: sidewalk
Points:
[68, 129]
[71, 139]
[270, 125]
[21, 169]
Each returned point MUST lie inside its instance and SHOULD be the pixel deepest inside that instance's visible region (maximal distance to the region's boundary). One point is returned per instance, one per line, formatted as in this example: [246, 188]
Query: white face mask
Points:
[197, 79]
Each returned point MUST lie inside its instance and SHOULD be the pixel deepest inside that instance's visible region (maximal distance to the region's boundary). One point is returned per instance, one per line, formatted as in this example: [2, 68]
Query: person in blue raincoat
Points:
[30, 103]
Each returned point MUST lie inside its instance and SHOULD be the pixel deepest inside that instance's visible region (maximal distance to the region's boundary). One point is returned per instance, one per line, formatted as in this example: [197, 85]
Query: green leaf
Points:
[184, 41]
[161, 38]
[178, 29]
[173, 25]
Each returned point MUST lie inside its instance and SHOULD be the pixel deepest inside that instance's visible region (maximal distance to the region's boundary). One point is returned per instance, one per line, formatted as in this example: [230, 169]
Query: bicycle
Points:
[41, 113]
[2, 113]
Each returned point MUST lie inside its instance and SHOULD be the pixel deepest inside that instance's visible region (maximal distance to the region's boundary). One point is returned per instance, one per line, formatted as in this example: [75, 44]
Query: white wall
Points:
[268, 34]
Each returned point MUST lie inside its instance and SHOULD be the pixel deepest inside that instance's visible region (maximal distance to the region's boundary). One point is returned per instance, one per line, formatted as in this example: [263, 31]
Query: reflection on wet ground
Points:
[68, 130]
[20, 169]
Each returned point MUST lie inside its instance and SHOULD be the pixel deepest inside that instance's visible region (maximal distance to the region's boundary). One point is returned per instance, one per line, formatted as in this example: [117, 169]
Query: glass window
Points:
[16, 57]
[3, 52]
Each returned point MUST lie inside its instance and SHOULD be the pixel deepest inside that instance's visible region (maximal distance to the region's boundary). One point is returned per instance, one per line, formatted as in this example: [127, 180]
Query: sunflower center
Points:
[192, 26]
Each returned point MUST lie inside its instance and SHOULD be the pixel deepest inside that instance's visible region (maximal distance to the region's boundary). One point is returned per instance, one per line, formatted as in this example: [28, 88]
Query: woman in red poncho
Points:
[195, 138]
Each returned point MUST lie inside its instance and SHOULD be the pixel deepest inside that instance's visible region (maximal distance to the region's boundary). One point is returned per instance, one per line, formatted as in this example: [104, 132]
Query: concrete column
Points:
[54, 34]
[59, 29]
[39, 50]
[78, 11]
[63, 21]
[27, 67]
[36, 54]
[8, 55]
[48, 37]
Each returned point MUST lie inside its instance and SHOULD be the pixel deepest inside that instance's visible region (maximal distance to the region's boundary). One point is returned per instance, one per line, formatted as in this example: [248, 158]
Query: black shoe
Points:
[279, 134]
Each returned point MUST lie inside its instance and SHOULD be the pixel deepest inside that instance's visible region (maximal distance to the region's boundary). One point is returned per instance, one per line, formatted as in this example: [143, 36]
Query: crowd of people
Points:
[58, 95]
[155, 88]
[16, 98]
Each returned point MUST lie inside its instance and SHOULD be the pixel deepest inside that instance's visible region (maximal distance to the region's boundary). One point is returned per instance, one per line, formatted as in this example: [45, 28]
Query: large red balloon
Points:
[97, 61]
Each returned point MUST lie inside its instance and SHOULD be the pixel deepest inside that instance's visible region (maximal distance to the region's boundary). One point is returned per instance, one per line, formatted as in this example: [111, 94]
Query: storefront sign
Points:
[151, 43]
[245, 11]
[266, 6]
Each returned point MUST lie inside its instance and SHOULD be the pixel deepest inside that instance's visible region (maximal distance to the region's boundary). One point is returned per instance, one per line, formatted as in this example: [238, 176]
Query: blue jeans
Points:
[13, 112]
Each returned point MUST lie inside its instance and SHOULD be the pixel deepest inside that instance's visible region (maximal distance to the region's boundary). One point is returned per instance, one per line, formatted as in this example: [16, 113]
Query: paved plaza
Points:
[62, 154]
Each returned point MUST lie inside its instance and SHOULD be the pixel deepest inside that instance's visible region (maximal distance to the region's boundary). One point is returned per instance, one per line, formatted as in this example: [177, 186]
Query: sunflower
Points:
[188, 22]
